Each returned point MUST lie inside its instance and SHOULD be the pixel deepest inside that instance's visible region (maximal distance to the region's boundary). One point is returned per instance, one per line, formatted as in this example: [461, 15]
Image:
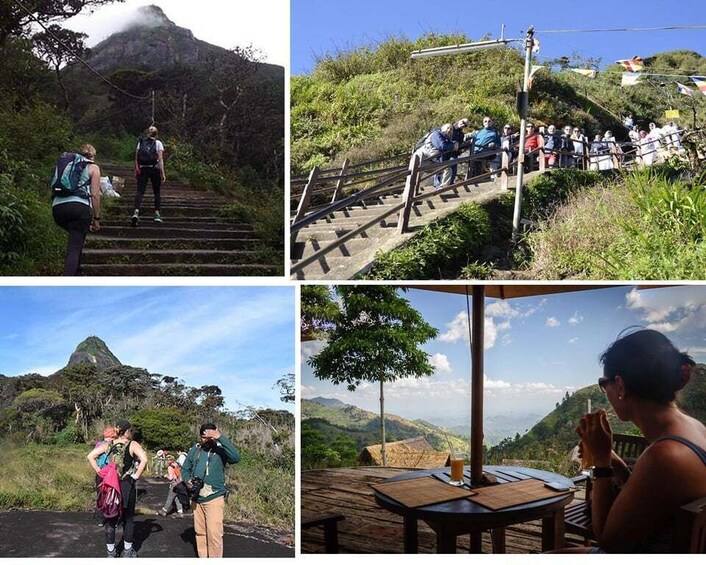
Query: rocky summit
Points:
[94, 351]
[151, 42]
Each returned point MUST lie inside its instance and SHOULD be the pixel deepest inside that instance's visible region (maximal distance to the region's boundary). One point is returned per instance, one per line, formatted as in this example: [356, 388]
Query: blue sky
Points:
[320, 27]
[537, 348]
[238, 338]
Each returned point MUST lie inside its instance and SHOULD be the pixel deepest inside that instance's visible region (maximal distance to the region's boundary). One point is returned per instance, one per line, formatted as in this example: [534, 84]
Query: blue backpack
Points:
[70, 176]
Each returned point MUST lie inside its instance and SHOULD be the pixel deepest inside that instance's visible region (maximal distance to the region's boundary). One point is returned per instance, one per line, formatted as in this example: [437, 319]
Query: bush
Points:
[436, 247]
[163, 428]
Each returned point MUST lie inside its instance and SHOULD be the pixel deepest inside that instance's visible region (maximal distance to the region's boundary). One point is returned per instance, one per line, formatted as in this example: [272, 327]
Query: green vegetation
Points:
[437, 248]
[373, 102]
[645, 225]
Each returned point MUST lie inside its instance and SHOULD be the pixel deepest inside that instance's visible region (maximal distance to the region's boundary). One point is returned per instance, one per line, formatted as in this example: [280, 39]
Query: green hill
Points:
[363, 427]
[554, 436]
[376, 101]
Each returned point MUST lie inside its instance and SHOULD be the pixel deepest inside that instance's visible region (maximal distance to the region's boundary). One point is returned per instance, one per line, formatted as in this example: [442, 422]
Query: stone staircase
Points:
[357, 254]
[192, 240]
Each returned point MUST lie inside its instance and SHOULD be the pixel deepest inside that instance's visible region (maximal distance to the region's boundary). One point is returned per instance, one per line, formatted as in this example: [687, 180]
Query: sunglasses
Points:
[603, 381]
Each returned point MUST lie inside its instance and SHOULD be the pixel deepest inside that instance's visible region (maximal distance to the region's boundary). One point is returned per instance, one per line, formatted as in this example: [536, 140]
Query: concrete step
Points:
[190, 223]
[183, 256]
[182, 269]
[164, 231]
[100, 242]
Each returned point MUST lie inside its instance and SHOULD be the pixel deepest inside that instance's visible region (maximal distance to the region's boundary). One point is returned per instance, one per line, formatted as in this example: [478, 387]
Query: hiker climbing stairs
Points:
[193, 239]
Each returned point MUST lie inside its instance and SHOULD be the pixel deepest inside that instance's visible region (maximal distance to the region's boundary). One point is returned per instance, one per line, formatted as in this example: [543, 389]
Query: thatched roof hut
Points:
[414, 453]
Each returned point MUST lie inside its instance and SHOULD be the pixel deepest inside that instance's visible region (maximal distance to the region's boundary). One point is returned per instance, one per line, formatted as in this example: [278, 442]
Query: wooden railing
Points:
[360, 182]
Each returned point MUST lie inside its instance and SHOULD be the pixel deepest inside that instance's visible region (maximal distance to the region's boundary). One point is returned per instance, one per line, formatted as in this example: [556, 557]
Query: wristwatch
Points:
[602, 472]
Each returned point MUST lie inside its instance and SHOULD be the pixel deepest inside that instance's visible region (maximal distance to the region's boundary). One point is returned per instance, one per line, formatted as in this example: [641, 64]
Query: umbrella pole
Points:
[477, 343]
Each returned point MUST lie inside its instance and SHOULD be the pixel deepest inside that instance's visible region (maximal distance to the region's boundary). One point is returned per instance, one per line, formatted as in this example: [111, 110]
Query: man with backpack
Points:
[204, 473]
[117, 493]
[76, 202]
[149, 166]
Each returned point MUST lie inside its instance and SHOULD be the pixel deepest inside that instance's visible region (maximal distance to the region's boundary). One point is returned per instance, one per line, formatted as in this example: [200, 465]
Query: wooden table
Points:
[451, 519]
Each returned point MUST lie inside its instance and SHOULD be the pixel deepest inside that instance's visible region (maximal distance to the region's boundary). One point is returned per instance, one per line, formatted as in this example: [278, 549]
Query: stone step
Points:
[182, 256]
[182, 269]
[100, 242]
[147, 212]
[190, 223]
[164, 231]
[349, 249]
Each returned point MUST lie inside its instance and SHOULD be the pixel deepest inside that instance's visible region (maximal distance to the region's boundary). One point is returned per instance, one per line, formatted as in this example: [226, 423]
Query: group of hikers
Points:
[197, 482]
[568, 147]
[76, 192]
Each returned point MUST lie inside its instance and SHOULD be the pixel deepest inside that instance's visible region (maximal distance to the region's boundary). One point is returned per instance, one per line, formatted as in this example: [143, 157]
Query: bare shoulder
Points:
[94, 169]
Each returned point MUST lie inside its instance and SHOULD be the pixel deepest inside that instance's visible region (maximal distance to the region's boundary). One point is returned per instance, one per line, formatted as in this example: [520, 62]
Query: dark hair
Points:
[122, 426]
[648, 363]
[207, 426]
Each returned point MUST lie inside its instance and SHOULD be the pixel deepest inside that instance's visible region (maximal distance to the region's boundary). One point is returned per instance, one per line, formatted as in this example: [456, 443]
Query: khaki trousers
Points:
[208, 524]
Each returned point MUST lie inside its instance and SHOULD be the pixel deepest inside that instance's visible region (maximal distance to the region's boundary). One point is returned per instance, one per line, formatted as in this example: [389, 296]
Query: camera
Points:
[195, 485]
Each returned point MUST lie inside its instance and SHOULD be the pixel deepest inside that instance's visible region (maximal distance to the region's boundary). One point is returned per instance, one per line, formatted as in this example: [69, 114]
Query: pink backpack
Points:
[110, 500]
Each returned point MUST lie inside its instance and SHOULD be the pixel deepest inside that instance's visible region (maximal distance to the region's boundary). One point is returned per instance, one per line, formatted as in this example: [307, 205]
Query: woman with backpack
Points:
[130, 461]
[76, 204]
[108, 437]
[149, 166]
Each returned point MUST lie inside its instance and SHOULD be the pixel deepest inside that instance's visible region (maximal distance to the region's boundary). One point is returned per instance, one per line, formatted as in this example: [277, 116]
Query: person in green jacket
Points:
[207, 461]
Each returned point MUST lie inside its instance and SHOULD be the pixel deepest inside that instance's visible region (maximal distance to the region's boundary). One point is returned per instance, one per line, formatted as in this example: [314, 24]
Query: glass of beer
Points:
[457, 462]
[586, 460]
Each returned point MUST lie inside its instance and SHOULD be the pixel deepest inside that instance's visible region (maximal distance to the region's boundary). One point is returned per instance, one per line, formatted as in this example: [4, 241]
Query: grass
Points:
[43, 477]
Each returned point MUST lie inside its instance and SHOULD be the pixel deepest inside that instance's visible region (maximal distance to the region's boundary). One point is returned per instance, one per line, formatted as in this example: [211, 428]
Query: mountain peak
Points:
[94, 351]
[153, 16]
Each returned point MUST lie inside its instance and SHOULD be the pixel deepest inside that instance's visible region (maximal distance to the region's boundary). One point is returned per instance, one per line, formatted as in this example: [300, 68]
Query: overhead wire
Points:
[623, 29]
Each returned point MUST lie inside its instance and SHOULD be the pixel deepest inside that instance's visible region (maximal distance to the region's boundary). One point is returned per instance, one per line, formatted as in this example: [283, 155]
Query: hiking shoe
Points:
[135, 219]
[157, 218]
[129, 553]
[113, 553]
[179, 514]
[162, 512]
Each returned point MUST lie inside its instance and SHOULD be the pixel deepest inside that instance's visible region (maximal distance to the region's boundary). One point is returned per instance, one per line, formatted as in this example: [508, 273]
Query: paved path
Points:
[25, 533]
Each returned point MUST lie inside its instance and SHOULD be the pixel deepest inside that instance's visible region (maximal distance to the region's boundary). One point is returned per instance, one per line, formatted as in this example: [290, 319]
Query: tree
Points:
[319, 312]
[286, 388]
[58, 46]
[376, 339]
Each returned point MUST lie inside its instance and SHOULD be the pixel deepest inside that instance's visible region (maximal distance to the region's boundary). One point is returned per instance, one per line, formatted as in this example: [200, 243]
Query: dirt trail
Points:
[27, 533]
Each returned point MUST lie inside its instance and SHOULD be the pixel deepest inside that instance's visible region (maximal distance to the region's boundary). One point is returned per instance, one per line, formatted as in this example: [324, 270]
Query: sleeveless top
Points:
[661, 542]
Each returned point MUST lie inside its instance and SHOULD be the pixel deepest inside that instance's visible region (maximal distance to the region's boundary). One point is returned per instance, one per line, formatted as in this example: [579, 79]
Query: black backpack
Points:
[147, 151]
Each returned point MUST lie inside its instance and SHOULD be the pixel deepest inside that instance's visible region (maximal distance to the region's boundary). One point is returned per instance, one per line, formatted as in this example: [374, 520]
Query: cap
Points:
[123, 426]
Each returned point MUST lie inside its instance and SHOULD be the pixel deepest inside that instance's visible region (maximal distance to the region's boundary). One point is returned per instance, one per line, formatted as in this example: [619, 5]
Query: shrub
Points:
[436, 247]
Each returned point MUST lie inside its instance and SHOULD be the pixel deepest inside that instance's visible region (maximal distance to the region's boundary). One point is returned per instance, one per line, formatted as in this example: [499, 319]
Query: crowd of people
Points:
[561, 148]
[197, 481]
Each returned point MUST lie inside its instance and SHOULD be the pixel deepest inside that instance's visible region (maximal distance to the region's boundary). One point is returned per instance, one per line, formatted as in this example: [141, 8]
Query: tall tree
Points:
[377, 338]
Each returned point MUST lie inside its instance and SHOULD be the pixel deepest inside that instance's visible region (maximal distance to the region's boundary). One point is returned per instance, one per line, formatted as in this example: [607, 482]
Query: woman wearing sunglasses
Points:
[642, 371]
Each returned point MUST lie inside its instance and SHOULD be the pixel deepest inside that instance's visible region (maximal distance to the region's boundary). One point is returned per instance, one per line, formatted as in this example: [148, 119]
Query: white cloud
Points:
[573, 340]
[575, 319]
[311, 348]
[552, 322]
[440, 362]
[456, 329]
[669, 310]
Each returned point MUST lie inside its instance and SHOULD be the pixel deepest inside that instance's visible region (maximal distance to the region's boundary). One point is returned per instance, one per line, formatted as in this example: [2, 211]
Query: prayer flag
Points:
[630, 79]
[533, 70]
[634, 64]
[671, 114]
[588, 73]
[700, 84]
[682, 89]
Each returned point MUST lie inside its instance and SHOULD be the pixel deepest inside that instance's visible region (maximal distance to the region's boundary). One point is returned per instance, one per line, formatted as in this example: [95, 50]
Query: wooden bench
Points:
[330, 525]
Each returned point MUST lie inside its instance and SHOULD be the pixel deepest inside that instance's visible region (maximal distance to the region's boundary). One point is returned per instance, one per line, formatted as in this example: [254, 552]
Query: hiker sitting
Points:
[485, 140]
[642, 372]
[76, 204]
[457, 136]
[149, 166]
[533, 141]
[552, 146]
[174, 476]
[123, 455]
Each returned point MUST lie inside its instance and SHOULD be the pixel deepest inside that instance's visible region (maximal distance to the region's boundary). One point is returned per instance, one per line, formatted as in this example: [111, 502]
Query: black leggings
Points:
[154, 175]
[75, 218]
[127, 487]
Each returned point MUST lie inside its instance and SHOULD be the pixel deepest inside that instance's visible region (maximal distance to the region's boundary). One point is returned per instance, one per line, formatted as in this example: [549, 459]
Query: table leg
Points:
[445, 541]
[411, 534]
[498, 537]
[553, 531]
[476, 542]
